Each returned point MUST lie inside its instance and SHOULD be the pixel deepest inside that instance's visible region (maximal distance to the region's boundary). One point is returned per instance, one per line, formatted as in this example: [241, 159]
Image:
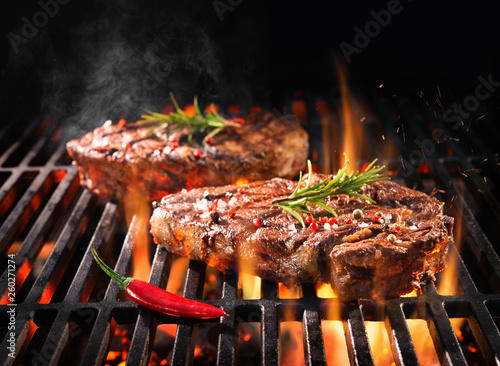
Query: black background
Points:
[258, 48]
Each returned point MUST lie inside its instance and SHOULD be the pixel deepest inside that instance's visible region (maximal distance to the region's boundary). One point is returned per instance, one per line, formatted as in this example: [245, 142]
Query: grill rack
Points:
[55, 183]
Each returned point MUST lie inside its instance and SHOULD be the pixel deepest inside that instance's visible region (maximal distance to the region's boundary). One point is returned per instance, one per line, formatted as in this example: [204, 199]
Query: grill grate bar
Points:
[269, 310]
[33, 152]
[186, 333]
[358, 346]
[145, 329]
[466, 281]
[13, 221]
[442, 333]
[64, 327]
[482, 248]
[33, 241]
[314, 347]
[81, 286]
[474, 180]
[226, 348]
[402, 346]
[27, 132]
[58, 338]
[56, 263]
[485, 332]
[270, 347]
[100, 338]
[24, 332]
[105, 325]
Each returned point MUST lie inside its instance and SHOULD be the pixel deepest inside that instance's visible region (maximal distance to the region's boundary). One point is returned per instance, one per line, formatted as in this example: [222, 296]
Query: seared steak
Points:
[399, 243]
[114, 160]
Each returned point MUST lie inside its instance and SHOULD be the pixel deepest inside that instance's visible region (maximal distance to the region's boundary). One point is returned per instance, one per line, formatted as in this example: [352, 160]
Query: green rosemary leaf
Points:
[341, 183]
[210, 123]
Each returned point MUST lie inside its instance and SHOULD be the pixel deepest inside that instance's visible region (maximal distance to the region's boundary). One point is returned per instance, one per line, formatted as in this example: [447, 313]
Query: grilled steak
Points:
[114, 160]
[400, 242]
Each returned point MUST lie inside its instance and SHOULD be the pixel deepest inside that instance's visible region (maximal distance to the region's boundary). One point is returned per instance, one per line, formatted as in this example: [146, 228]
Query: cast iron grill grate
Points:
[67, 312]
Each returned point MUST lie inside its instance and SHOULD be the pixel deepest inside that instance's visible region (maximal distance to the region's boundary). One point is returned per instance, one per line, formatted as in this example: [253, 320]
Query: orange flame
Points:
[335, 344]
[350, 124]
[241, 181]
[250, 285]
[137, 211]
[292, 343]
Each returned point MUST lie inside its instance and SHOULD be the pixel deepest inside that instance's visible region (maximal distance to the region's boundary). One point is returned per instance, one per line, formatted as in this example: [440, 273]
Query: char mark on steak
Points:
[398, 244]
[117, 160]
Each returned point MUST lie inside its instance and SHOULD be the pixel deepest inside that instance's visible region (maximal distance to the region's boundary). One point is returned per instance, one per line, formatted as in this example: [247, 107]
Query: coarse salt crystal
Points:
[413, 227]
[291, 227]
[363, 224]
[328, 226]
[354, 221]
[221, 204]
[388, 217]
[201, 204]
[184, 190]
[335, 226]
[399, 241]
[232, 201]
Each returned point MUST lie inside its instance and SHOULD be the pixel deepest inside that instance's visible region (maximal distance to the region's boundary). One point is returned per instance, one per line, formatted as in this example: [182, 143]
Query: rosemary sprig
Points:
[211, 122]
[302, 198]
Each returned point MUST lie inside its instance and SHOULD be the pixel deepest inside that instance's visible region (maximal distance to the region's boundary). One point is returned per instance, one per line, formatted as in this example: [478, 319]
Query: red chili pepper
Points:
[154, 298]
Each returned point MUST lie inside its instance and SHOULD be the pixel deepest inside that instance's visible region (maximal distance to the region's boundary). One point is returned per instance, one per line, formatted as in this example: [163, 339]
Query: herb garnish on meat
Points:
[302, 198]
[209, 122]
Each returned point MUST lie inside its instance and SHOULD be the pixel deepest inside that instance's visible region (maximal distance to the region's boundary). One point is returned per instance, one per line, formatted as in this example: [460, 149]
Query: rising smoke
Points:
[99, 60]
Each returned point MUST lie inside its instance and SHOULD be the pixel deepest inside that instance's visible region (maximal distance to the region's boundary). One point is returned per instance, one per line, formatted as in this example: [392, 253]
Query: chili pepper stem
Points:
[157, 299]
[122, 282]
